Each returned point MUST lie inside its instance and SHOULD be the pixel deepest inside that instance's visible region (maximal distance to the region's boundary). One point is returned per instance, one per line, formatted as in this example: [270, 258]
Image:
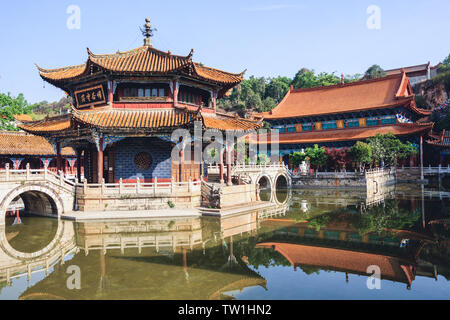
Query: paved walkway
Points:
[130, 215]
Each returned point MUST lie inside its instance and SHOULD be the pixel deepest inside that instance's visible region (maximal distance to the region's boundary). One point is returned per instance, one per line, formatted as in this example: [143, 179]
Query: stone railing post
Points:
[138, 182]
[103, 186]
[120, 186]
[190, 184]
[61, 181]
[85, 186]
[28, 171]
[171, 185]
[45, 173]
[7, 171]
[155, 185]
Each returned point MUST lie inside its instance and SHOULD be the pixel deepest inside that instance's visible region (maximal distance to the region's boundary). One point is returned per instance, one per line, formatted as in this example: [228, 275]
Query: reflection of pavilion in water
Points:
[339, 247]
[343, 197]
[206, 257]
[173, 258]
[15, 264]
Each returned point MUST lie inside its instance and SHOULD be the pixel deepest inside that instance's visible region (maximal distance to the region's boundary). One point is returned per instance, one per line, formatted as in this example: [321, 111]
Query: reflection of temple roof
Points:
[146, 276]
[392, 268]
[20, 143]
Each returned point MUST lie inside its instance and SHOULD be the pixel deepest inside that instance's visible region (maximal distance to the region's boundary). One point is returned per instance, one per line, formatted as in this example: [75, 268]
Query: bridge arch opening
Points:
[281, 188]
[265, 188]
[28, 218]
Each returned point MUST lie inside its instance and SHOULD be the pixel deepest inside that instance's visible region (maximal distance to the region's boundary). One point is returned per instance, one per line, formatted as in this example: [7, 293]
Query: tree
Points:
[268, 104]
[10, 106]
[296, 158]
[375, 71]
[337, 158]
[306, 78]
[277, 88]
[362, 154]
[387, 148]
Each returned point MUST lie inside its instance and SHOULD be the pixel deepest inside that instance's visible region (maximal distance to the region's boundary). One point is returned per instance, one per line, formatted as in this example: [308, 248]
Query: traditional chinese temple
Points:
[127, 104]
[339, 115]
[21, 150]
[441, 143]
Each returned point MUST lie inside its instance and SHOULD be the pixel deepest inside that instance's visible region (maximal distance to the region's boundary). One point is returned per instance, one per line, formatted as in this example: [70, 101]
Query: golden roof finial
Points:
[147, 32]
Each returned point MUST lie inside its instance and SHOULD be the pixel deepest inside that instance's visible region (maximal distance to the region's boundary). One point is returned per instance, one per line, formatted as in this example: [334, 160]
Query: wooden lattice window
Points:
[143, 160]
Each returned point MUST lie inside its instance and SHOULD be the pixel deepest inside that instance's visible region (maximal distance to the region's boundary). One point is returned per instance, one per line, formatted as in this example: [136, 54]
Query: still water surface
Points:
[316, 246]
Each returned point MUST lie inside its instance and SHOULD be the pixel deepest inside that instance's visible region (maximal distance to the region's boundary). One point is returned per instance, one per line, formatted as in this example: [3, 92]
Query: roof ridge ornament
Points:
[147, 32]
[191, 53]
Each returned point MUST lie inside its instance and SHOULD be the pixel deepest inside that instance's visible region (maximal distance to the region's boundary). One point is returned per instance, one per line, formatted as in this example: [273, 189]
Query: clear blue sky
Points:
[266, 37]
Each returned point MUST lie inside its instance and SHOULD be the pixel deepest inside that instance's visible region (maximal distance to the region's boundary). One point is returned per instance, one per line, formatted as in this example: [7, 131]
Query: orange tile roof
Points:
[142, 59]
[392, 268]
[66, 73]
[138, 118]
[51, 124]
[350, 134]
[363, 95]
[20, 143]
[218, 75]
[170, 118]
[227, 122]
[145, 59]
[23, 117]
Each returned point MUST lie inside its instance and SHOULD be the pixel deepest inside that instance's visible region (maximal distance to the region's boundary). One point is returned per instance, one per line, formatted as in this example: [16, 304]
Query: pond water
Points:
[321, 244]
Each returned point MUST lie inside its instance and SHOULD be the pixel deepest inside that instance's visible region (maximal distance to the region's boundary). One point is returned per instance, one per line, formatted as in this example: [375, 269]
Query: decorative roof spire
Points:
[147, 32]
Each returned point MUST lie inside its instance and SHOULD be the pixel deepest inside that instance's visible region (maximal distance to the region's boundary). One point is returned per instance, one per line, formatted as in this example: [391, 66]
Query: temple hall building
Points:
[339, 115]
[126, 106]
[20, 150]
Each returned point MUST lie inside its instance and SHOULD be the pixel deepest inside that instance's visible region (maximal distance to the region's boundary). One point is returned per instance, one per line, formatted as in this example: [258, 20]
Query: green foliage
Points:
[387, 148]
[263, 159]
[297, 157]
[306, 78]
[375, 71]
[170, 204]
[361, 152]
[263, 94]
[10, 106]
[381, 219]
[316, 156]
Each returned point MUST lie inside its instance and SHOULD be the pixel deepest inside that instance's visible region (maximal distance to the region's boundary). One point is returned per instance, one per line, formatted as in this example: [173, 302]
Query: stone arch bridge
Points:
[41, 191]
[267, 176]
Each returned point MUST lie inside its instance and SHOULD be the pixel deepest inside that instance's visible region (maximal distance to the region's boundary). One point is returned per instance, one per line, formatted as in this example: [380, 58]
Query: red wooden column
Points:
[175, 93]
[214, 100]
[221, 165]
[100, 161]
[111, 92]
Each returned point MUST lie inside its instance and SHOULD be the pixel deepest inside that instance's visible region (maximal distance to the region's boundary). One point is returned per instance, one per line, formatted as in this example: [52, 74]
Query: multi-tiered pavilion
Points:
[127, 104]
[339, 115]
